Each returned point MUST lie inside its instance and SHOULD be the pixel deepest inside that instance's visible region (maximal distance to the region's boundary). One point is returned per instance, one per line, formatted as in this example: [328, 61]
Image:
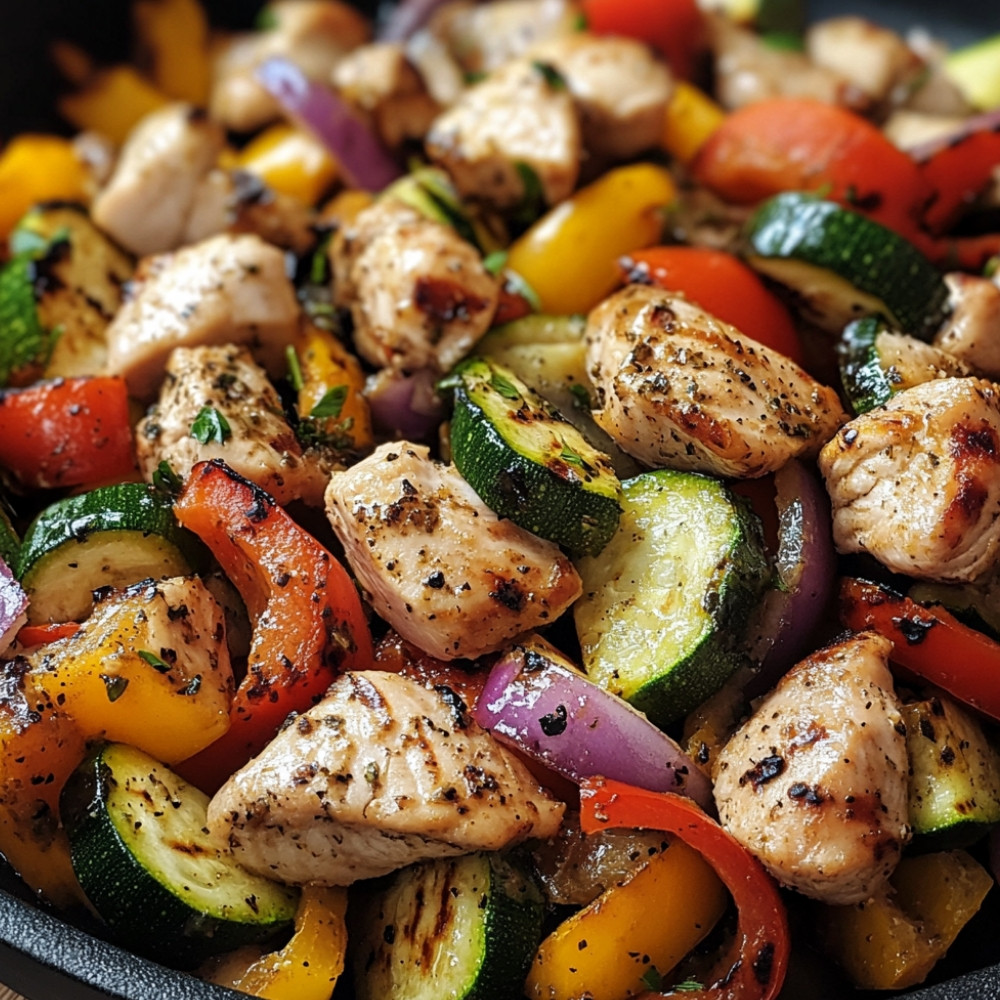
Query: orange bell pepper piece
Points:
[112, 102]
[173, 44]
[308, 622]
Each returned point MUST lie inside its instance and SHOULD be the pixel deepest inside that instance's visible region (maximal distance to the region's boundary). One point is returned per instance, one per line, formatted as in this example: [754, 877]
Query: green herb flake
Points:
[495, 262]
[503, 386]
[531, 183]
[580, 22]
[266, 20]
[319, 266]
[28, 242]
[165, 480]
[689, 986]
[154, 661]
[473, 77]
[550, 74]
[581, 397]
[210, 425]
[371, 772]
[652, 979]
[115, 686]
[331, 404]
[568, 455]
[294, 369]
[516, 285]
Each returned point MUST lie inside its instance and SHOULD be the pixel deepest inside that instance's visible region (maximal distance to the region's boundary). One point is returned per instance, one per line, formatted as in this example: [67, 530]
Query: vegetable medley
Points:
[504, 500]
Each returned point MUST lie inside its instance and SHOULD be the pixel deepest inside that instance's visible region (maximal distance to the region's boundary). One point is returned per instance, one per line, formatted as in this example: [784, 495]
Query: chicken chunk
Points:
[678, 388]
[313, 34]
[380, 774]
[620, 90]
[259, 444]
[229, 289]
[815, 783]
[419, 294]
[437, 564]
[482, 37]
[916, 483]
[146, 203]
[972, 330]
[381, 82]
[515, 129]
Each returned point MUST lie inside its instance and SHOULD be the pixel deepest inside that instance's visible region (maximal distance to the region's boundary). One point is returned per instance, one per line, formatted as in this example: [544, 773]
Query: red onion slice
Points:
[13, 607]
[540, 703]
[405, 406]
[407, 18]
[362, 158]
[807, 570]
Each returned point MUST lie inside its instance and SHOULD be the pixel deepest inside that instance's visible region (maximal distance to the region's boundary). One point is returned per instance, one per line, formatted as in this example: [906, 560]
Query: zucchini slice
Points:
[64, 288]
[141, 853]
[548, 354]
[840, 265]
[110, 537]
[664, 605]
[876, 363]
[528, 463]
[453, 929]
[954, 774]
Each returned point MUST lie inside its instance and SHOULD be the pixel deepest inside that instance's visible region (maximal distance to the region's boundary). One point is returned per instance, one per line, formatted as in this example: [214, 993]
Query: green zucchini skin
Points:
[954, 775]
[665, 605]
[25, 344]
[143, 858]
[841, 265]
[112, 536]
[461, 928]
[529, 464]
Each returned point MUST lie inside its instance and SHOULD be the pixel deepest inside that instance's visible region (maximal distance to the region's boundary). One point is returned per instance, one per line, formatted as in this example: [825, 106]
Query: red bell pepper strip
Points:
[755, 966]
[722, 284]
[675, 27]
[67, 432]
[308, 622]
[38, 635]
[929, 642]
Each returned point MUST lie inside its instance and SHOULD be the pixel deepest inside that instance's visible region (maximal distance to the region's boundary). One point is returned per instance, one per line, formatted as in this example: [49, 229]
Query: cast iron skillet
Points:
[44, 957]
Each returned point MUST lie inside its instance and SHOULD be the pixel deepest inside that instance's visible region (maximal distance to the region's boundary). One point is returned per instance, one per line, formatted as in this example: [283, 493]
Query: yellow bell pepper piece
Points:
[173, 42]
[290, 161]
[692, 116]
[308, 967]
[112, 102]
[38, 752]
[133, 675]
[569, 256]
[333, 380]
[345, 206]
[607, 948]
[36, 168]
[894, 940]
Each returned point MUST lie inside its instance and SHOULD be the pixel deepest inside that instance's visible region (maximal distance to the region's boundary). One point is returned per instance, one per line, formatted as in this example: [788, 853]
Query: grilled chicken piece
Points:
[260, 445]
[916, 483]
[483, 37]
[146, 204]
[517, 118]
[419, 294]
[313, 34]
[381, 82]
[747, 70]
[815, 783]
[380, 774]
[679, 388]
[437, 564]
[229, 289]
[972, 330]
[620, 90]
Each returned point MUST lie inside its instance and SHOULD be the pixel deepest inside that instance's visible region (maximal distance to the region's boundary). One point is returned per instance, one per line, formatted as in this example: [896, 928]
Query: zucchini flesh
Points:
[665, 603]
[453, 929]
[110, 537]
[954, 774]
[528, 463]
[141, 852]
[840, 265]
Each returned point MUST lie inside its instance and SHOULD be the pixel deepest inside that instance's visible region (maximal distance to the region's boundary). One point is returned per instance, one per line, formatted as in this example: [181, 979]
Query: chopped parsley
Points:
[210, 425]
[495, 262]
[114, 685]
[154, 661]
[331, 404]
[165, 480]
[503, 386]
[550, 74]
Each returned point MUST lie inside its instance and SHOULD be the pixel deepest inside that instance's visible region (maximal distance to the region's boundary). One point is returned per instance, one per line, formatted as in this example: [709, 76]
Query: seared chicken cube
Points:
[516, 128]
[226, 290]
[253, 437]
[382, 773]
[972, 330]
[916, 483]
[146, 204]
[679, 388]
[815, 783]
[419, 294]
[620, 89]
[436, 563]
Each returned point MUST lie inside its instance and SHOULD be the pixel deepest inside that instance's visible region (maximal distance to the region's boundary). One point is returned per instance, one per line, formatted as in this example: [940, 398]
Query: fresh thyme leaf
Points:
[154, 661]
[166, 480]
[210, 425]
[504, 386]
[331, 404]
[115, 686]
